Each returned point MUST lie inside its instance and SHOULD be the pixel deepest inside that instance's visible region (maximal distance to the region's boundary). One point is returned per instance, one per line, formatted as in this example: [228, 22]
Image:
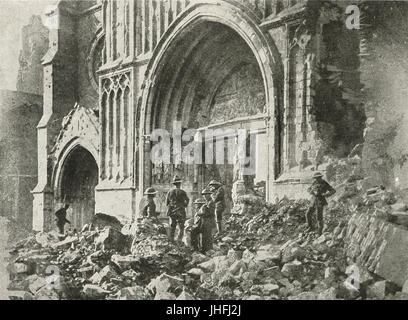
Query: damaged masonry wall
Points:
[384, 74]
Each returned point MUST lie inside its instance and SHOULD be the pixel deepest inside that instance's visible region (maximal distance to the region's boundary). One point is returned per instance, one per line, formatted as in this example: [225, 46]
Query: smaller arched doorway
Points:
[79, 178]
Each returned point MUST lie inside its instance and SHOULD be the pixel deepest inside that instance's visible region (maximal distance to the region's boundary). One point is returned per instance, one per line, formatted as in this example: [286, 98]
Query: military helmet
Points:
[317, 175]
[214, 183]
[176, 179]
[206, 191]
[150, 191]
[200, 201]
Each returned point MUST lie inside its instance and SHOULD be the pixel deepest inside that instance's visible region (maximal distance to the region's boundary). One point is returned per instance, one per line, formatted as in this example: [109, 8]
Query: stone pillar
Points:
[60, 91]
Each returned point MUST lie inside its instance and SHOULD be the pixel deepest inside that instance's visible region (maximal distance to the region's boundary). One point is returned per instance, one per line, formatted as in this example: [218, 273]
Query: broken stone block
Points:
[46, 293]
[102, 220]
[347, 291]
[65, 244]
[132, 293]
[46, 239]
[92, 291]
[164, 283]
[405, 287]
[267, 257]
[165, 296]
[195, 272]
[238, 267]
[378, 290]
[185, 296]
[36, 283]
[248, 255]
[18, 285]
[22, 268]
[208, 266]
[249, 276]
[293, 253]
[111, 238]
[20, 295]
[329, 294]
[96, 278]
[125, 262]
[197, 258]
[330, 272]
[292, 269]
[107, 273]
[304, 296]
[269, 289]
[226, 279]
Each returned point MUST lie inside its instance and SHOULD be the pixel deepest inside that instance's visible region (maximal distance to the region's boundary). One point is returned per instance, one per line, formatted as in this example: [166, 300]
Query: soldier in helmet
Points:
[203, 223]
[218, 198]
[320, 189]
[61, 218]
[177, 202]
[149, 209]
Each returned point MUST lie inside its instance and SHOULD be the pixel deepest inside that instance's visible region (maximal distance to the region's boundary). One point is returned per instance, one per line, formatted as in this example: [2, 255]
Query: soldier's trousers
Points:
[318, 210]
[174, 222]
[206, 239]
[201, 239]
[60, 226]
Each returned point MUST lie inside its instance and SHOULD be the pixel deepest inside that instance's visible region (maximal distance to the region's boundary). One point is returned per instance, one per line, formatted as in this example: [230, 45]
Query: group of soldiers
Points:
[208, 212]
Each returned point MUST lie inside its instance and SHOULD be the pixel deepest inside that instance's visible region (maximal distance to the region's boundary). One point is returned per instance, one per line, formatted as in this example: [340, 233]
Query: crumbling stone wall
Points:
[384, 73]
[34, 46]
[379, 246]
[18, 155]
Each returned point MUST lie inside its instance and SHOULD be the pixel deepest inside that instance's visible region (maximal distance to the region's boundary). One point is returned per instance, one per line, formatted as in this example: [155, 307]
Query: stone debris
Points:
[265, 253]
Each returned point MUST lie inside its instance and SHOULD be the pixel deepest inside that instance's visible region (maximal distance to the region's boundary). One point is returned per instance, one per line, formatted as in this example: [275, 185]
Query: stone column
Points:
[60, 91]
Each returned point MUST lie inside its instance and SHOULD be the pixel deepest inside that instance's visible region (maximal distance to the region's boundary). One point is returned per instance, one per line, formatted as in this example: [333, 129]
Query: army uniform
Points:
[319, 190]
[202, 229]
[218, 197]
[61, 218]
[177, 202]
[149, 209]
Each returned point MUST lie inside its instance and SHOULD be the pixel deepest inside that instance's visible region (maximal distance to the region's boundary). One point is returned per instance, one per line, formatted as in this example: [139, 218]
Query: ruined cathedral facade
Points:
[117, 70]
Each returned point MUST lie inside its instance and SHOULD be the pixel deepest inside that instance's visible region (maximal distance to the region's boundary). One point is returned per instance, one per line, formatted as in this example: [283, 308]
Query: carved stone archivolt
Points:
[79, 127]
[96, 59]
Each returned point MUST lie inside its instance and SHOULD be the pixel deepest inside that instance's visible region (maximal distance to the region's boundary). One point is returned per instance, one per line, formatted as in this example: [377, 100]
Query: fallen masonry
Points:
[265, 254]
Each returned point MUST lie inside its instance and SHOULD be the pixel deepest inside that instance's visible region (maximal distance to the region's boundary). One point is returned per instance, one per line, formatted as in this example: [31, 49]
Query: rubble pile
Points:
[265, 252]
[94, 264]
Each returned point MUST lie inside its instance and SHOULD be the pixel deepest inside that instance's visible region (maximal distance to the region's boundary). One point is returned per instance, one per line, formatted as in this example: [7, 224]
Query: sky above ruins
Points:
[13, 16]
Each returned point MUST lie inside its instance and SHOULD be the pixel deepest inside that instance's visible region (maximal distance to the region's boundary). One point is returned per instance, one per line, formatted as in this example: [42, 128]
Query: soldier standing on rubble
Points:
[149, 210]
[320, 189]
[203, 224]
[219, 202]
[61, 218]
[177, 202]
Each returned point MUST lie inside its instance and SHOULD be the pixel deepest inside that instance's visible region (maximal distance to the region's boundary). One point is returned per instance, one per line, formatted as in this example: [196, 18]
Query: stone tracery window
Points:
[116, 126]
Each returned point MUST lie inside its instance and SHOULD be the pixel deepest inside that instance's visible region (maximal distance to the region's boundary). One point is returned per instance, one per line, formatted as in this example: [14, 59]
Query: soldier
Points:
[219, 202]
[61, 218]
[149, 210]
[320, 189]
[203, 223]
[177, 202]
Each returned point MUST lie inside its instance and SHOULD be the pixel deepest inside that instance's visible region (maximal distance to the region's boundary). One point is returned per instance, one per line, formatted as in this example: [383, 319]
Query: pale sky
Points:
[13, 16]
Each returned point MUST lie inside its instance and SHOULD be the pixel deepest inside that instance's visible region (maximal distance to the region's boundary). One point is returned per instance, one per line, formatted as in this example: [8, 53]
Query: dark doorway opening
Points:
[79, 179]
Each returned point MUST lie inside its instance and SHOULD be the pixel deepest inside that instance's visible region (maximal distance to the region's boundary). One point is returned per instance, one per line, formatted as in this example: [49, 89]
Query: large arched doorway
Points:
[79, 178]
[210, 78]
